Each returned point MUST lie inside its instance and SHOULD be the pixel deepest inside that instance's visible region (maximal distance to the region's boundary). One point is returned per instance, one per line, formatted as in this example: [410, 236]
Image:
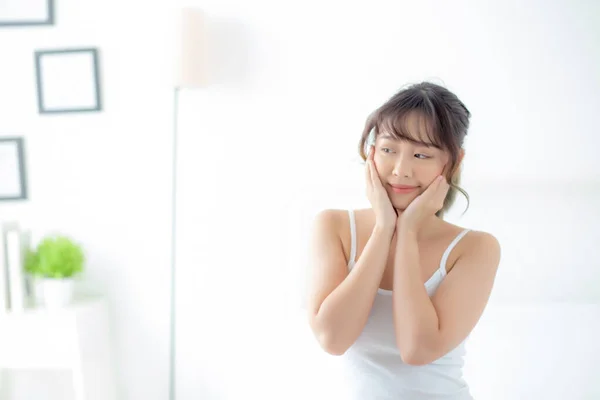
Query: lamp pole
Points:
[190, 73]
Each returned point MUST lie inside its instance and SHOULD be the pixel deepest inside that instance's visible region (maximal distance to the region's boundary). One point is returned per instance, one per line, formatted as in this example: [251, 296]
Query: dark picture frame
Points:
[13, 174]
[68, 80]
[8, 9]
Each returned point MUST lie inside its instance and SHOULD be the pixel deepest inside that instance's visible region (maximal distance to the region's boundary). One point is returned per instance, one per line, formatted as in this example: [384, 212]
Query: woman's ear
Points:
[461, 155]
[455, 174]
[369, 141]
[451, 176]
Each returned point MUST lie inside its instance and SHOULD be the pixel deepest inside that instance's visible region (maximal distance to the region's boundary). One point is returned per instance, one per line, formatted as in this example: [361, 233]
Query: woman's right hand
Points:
[385, 213]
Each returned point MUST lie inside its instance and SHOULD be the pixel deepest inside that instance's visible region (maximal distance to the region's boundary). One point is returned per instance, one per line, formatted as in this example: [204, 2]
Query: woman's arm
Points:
[414, 315]
[340, 301]
[427, 329]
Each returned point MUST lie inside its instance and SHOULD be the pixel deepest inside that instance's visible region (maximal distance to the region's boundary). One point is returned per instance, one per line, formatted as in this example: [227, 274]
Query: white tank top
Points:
[372, 365]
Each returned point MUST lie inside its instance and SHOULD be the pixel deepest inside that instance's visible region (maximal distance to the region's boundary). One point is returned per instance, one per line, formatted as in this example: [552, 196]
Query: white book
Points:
[4, 292]
[25, 246]
[16, 278]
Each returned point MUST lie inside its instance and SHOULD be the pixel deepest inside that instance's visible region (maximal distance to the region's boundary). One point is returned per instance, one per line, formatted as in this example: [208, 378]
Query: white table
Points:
[77, 338]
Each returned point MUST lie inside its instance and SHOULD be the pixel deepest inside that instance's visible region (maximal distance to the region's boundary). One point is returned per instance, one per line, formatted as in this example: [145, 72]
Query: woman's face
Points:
[406, 168]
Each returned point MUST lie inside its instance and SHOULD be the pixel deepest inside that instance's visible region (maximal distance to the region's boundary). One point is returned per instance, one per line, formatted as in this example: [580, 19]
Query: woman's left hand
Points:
[423, 206]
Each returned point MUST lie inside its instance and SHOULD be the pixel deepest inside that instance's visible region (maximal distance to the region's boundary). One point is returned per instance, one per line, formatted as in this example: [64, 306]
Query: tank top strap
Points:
[352, 259]
[449, 249]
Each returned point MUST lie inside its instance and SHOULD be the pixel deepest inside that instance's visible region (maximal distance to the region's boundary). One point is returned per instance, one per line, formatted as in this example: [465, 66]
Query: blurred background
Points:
[270, 138]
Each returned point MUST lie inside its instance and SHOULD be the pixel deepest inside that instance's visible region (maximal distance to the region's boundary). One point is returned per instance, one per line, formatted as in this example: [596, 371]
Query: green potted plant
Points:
[54, 264]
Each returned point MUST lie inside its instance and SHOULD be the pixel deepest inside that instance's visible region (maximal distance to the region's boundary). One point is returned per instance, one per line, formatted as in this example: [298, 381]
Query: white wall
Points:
[103, 178]
[274, 139]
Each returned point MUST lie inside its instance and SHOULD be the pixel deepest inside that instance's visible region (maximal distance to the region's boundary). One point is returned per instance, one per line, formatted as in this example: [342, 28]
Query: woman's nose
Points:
[403, 166]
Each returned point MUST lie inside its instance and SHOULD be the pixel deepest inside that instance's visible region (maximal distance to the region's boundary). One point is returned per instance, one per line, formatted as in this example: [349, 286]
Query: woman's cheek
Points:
[442, 169]
[380, 163]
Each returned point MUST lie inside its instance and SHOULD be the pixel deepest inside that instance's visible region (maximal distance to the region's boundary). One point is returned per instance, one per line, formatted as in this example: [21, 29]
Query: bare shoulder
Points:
[474, 240]
[479, 246]
[335, 225]
[329, 223]
[482, 246]
[329, 219]
[483, 241]
[328, 264]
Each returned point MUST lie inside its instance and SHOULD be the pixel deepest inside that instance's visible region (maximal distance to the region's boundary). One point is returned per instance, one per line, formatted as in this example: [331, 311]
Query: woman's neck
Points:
[430, 228]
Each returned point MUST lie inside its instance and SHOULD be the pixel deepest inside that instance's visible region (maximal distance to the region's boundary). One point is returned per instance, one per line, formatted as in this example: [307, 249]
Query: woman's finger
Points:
[438, 190]
[369, 154]
[443, 189]
[375, 176]
[373, 173]
[368, 175]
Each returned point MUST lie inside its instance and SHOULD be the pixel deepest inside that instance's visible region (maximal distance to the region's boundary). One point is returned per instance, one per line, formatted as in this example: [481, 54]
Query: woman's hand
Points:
[425, 205]
[385, 214]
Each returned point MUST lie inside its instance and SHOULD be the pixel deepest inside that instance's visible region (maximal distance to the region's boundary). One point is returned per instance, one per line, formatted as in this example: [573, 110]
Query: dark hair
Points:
[446, 119]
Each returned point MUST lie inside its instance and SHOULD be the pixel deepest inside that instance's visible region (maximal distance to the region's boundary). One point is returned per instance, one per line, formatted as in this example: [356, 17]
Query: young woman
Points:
[395, 290]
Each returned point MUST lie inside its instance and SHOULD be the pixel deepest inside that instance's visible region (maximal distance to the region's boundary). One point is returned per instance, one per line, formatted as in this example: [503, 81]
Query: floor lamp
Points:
[189, 74]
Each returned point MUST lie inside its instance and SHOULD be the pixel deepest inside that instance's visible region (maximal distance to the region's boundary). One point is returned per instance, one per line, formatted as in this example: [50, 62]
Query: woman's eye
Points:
[386, 150]
[422, 156]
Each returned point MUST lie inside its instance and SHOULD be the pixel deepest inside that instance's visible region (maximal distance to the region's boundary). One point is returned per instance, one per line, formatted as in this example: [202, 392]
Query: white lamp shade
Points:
[190, 65]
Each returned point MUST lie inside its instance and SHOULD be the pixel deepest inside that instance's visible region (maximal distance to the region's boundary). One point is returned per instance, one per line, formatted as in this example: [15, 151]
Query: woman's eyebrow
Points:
[428, 145]
[387, 136]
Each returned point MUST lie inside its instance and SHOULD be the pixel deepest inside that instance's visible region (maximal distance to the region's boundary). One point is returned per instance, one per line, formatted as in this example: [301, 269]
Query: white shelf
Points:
[76, 337]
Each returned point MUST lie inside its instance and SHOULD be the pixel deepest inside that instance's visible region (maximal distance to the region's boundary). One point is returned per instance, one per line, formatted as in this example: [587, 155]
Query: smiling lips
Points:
[403, 188]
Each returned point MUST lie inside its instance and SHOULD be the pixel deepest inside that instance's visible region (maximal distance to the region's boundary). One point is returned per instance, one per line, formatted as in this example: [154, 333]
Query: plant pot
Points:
[54, 293]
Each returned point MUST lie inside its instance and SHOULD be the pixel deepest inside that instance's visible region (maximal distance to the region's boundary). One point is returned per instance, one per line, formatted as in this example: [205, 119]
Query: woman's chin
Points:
[399, 207]
[402, 203]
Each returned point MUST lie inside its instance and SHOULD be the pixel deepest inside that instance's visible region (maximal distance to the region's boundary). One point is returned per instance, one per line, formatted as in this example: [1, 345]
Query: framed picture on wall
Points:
[68, 80]
[13, 178]
[26, 13]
